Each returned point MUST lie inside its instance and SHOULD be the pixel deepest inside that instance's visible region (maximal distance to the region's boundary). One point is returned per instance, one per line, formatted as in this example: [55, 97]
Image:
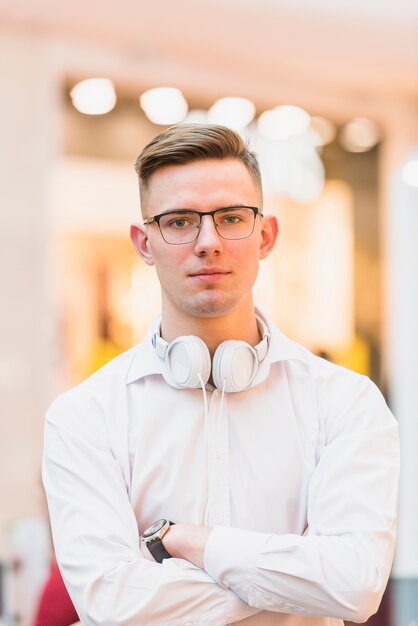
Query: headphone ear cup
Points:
[186, 359]
[234, 366]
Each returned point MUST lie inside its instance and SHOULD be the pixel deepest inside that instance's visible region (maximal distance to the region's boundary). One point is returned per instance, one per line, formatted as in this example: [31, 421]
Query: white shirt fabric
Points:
[297, 474]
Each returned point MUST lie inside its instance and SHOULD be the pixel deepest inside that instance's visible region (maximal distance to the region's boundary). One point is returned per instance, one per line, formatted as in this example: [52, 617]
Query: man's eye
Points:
[180, 222]
[231, 219]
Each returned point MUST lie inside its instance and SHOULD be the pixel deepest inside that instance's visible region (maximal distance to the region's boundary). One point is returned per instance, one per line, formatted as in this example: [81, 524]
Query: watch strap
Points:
[156, 547]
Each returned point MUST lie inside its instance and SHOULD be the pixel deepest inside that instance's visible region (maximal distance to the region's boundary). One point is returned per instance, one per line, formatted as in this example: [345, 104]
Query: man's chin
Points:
[210, 307]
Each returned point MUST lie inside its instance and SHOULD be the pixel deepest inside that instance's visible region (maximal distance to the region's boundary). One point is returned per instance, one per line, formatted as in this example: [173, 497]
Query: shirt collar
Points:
[146, 361]
[280, 347]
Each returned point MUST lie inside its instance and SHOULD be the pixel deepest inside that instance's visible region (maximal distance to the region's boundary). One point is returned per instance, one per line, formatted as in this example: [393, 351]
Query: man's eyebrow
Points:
[179, 210]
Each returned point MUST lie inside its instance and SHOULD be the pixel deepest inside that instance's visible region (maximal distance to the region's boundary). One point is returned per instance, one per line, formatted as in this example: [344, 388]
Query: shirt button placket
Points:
[218, 456]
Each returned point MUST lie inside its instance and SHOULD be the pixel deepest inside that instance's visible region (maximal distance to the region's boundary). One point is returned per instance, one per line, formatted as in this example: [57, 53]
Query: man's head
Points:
[207, 266]
[187, 143]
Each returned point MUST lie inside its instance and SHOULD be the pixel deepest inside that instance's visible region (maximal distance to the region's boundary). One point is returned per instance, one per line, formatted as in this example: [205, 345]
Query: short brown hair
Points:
[186, 143]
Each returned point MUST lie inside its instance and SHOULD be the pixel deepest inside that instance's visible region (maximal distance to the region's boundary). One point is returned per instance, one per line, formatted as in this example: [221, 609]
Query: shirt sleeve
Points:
[340, 566]
[96, 538]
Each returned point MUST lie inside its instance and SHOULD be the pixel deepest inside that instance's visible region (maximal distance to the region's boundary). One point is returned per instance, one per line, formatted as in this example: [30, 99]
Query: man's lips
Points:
[209, 270]
[210, 274]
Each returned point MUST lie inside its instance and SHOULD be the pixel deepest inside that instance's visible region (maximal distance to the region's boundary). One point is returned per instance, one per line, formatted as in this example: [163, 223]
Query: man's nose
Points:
[208, 239]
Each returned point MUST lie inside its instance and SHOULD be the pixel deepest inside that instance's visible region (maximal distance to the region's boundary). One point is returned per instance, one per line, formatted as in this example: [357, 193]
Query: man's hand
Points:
[184, 541]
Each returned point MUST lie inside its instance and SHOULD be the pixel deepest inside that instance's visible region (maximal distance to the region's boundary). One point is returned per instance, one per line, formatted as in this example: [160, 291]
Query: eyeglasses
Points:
[183, 226]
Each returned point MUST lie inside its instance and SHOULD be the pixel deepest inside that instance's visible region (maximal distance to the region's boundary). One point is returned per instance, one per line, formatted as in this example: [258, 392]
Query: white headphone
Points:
[234, 366]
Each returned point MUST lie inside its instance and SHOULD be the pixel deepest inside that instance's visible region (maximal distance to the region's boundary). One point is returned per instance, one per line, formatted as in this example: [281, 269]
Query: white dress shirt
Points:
[297, 474]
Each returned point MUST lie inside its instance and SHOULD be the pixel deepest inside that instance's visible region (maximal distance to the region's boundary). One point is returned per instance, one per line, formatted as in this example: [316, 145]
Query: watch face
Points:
[155, 528]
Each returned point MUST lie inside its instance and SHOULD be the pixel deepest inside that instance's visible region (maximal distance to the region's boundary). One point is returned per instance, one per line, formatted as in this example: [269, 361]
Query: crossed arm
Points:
[222, 575]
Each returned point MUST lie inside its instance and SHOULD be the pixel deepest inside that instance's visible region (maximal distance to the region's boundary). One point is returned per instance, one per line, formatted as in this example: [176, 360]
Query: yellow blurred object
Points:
[104, 350]
[356, 357]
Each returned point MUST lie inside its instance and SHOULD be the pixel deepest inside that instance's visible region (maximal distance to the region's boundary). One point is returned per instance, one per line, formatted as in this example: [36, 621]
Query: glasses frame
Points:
[156, 219]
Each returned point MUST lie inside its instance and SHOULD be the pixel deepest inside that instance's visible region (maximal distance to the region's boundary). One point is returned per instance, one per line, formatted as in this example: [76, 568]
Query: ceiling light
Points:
[94, 96]
[410, 173]
[283, 122]
[164, 105]
[291, 167]
[324, 129]
[235, 113]
[359, 135]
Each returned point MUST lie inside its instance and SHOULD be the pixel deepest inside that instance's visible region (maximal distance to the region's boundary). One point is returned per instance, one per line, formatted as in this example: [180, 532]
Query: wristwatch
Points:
[153, 538]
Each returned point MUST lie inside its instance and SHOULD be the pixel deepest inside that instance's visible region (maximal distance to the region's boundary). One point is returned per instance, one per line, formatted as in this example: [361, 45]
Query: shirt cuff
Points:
[231, 556]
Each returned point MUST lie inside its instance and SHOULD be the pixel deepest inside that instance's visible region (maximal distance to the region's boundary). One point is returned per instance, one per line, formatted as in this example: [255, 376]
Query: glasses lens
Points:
[180, 227]
[234, 223]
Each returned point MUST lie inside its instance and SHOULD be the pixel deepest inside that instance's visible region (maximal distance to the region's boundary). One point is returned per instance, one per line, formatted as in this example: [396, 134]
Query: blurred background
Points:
[327, 93]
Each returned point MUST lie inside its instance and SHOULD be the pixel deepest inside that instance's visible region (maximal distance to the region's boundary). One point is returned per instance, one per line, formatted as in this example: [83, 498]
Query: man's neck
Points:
[237, 324]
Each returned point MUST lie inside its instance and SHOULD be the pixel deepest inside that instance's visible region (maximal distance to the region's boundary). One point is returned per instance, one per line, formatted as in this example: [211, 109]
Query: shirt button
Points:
[218, 454]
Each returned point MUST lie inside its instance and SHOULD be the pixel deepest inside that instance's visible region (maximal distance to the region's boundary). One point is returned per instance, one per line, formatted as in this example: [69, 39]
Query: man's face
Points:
[210, 276]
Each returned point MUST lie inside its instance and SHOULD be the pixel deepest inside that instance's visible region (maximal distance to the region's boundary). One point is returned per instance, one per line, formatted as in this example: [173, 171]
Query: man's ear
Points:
[269, 233]
[141, 243]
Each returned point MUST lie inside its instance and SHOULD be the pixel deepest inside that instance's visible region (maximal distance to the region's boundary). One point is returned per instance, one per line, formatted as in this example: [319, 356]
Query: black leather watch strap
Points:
[156, 547]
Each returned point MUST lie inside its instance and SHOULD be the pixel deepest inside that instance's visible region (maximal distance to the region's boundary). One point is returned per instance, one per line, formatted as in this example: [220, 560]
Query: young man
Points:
[218, 472]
